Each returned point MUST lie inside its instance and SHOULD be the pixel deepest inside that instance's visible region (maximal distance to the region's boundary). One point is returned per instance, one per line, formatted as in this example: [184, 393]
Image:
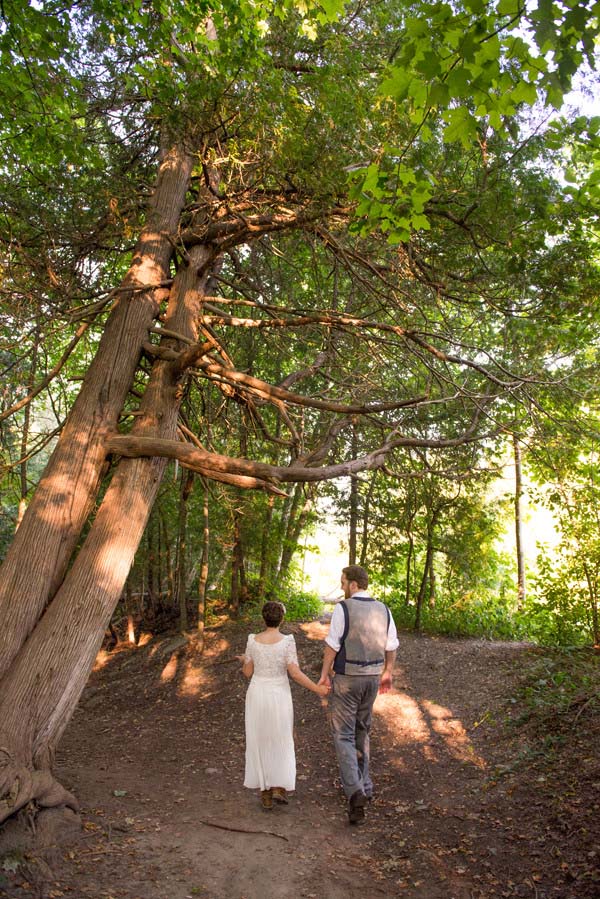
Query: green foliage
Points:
[558, 609]
[463, 74]
[300, 605]
[488, 616]
[561, 683]
[564, 607]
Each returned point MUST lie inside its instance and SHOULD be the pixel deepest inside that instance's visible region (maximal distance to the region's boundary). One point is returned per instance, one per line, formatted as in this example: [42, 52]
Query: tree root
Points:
[20, 785]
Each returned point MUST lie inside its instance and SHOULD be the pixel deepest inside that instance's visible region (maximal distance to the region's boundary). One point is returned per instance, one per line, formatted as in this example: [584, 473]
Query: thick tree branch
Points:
[261, 474]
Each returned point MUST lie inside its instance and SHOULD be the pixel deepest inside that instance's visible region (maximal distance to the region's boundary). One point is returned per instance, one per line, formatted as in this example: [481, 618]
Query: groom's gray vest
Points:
[362, 648]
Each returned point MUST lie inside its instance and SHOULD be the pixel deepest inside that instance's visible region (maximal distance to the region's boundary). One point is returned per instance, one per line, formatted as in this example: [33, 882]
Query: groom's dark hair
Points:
[272, 613]
[357, 574]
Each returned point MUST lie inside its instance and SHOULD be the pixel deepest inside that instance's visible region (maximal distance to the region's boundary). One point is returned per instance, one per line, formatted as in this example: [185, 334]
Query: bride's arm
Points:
[296, 673]
[248, 667]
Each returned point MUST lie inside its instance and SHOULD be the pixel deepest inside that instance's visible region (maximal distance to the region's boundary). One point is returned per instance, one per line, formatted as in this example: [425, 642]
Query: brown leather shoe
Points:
[279, 795]
[356, 807]
[266, 798]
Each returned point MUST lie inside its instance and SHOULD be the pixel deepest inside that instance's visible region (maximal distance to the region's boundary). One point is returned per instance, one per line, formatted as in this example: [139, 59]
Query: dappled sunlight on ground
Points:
[424, 723]
[415, 721]
[403, 716]
[101, 659]
[170, 669]
[450, 728]
[315, 630]
[193, 679]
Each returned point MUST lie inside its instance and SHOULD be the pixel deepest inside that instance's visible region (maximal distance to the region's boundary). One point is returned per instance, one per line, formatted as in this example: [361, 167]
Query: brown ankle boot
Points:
[279, 795]
[266, 798]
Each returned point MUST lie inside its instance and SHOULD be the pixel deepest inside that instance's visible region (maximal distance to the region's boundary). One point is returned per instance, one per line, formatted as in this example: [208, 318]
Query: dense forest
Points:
[263, 263]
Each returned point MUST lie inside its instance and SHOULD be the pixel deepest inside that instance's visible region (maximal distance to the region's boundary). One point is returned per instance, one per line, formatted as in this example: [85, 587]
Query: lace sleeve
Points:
[248, 657]
[291, 656]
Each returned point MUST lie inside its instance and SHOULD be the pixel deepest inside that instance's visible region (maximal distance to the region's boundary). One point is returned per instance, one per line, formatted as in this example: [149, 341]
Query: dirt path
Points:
[155, 753]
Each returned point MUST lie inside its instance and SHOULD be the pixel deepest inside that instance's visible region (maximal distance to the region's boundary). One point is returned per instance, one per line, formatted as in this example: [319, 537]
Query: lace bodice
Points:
[271, 659]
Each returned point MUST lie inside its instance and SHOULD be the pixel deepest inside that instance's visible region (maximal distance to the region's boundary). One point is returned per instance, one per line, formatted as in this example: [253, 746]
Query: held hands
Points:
[323, 688]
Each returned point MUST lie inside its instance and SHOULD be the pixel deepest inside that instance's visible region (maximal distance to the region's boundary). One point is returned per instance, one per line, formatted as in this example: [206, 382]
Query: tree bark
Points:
[40, 553]
[49, 673]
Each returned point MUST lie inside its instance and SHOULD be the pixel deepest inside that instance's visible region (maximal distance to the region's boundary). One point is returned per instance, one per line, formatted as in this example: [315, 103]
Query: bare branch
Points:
[272, 394]
[49, 377]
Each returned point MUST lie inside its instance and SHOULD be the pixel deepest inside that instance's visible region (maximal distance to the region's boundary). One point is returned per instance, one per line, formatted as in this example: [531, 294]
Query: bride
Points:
[270, 656]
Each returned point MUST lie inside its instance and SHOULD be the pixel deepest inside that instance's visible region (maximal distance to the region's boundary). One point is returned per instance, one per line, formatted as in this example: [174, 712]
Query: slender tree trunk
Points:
[203, 582]
[593, 595]
[364, 546]
[282, 526]
[25, 432]
[424, 579]
[290, 509]
[239, 584]
[521, 584]
[39, 555]
[266, 548]
[296, 526]
[234, 597]
[432, 582]
[353, 518]
[186, 485]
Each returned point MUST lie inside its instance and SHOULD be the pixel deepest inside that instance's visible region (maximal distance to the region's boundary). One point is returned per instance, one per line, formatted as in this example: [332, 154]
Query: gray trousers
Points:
[351, 705]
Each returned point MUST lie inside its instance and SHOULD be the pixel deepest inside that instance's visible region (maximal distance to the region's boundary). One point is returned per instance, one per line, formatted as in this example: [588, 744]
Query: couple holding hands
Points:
[358, 661]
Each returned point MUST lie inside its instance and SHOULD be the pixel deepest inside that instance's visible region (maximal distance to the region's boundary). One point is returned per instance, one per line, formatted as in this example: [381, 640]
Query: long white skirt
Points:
[270, 756]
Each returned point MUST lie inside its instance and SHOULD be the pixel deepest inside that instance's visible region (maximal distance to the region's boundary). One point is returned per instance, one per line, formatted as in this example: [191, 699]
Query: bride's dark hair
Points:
[272, 613]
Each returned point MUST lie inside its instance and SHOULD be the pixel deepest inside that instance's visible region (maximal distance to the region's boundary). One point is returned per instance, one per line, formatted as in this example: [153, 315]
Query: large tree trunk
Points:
[44, 682]
[39, 555]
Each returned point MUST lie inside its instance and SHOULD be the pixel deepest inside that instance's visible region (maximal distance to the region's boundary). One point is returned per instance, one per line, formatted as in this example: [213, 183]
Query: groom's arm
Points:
[385, 684]
[329, 655]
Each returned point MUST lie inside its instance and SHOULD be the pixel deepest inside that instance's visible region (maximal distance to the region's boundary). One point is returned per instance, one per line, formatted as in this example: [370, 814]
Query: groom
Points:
[360, 649]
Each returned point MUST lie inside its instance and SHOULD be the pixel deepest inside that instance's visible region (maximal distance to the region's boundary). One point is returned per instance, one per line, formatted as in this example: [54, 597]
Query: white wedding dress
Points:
[270, 756]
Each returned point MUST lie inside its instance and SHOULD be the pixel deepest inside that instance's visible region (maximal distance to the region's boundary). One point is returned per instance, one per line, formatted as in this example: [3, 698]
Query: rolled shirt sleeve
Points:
[336, 628]
[392, 636]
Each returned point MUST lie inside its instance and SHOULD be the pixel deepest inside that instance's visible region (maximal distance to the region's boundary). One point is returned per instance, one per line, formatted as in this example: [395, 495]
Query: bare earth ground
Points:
[155, 754]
